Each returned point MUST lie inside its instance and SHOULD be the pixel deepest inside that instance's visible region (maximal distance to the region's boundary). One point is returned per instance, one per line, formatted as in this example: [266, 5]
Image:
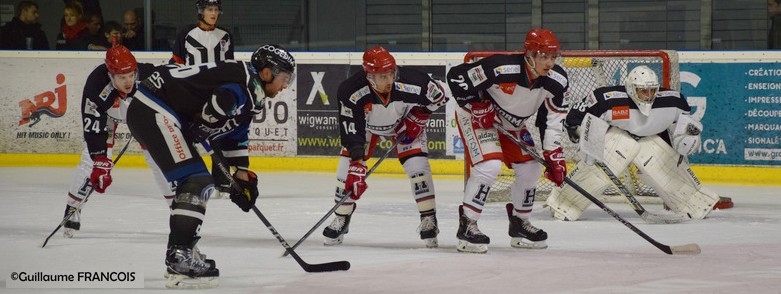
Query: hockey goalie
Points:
[642, 124]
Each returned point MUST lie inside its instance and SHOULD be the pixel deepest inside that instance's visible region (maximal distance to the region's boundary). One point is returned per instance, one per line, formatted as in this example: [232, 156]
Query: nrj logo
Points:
[47, 103]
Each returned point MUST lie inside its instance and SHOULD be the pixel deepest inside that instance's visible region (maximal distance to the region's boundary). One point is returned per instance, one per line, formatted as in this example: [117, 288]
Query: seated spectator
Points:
[74, 34]
[24, 31]
[111, 31]
[94, 25]
[133, 31]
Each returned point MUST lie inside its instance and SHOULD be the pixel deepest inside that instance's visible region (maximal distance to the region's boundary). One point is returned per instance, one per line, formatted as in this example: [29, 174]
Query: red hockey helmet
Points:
[541, 40]
[119, 60]
[378, 60]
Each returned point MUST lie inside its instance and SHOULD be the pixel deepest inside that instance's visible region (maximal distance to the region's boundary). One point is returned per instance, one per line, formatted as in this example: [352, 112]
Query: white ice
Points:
[127, 228]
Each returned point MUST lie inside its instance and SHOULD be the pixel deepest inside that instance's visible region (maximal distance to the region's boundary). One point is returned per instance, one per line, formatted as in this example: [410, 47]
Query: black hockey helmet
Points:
[276, 57]
[201, 4]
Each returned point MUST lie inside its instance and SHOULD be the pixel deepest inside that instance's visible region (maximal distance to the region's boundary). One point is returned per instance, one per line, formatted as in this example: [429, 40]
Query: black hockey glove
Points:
[200, 132]
[572, 131]
[245, 198]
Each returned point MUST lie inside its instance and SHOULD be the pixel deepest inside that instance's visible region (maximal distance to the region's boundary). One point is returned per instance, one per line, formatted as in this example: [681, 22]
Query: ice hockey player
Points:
[385, 100]
[650, 127]
[103, 106]
[507, 89]
[204, 42]
[178, 107]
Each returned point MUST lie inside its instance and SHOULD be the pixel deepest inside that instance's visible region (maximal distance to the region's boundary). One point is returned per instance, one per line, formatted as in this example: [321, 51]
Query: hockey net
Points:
[588, 70]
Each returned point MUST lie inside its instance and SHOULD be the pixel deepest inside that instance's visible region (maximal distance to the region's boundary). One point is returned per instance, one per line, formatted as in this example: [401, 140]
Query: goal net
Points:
[588, 70]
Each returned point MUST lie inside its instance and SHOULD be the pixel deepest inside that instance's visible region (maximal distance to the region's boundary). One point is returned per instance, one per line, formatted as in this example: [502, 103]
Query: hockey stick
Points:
[317, 267]
[341, 201]
[688, 249]
[637, 207]
[90, 189]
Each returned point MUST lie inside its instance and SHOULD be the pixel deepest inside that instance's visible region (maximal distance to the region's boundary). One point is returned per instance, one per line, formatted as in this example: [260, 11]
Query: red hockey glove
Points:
[356, 179]
[558, 167]
[100, 178]
[483, 114]
[413, 125]
[245, 199]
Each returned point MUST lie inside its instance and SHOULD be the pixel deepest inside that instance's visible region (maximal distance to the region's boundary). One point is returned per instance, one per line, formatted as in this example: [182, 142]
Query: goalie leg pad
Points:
[669, 174]
[524, 188]
[478, 185]
[566, 203]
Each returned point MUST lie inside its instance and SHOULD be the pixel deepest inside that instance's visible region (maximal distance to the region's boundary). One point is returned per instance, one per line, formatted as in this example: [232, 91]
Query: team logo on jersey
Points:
[558, 77]
[507, 69]
[90, 108]
[407, 88]
[476, 75]
[507, 88]
[620, 112]
[614, 94]
[345, 111]
[357, 95]
[434, 92]
[668, 94]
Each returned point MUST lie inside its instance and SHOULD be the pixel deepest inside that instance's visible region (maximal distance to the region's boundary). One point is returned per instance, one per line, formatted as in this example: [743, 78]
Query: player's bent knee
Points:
[486, 171]
[195, 190]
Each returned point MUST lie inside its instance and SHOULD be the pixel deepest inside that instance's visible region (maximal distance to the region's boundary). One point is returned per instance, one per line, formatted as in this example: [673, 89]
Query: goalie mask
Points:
[642, 86]
[380, 68]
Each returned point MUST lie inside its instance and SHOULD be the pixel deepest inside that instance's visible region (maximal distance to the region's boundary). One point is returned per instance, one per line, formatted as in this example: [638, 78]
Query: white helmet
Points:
[642, 77]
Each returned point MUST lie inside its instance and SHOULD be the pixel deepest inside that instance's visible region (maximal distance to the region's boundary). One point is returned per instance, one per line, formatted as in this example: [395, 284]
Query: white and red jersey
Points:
[505, 80]
[362, 110]
[613, 105]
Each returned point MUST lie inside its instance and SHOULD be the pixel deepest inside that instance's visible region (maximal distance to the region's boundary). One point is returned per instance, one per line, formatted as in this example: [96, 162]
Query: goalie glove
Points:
[356, 179]
[246, 197]
[686, 136]
[483, 114]
[413, 125]
[557, 167]
[100, 178]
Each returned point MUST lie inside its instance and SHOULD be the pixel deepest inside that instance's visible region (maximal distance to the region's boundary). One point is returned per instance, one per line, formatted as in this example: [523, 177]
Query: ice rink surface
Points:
[127, 228]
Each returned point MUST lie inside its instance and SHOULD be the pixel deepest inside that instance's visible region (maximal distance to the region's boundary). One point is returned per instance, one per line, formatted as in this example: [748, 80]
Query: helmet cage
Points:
[642, 81]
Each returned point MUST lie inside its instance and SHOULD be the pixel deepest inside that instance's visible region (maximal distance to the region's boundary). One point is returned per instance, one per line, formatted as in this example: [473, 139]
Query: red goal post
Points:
[588, 70]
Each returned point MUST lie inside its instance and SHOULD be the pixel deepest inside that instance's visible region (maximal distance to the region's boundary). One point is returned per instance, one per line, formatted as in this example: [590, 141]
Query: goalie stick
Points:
[637, 207]
[687, 249]
[308, 267]
[89, 192]
[341, 201]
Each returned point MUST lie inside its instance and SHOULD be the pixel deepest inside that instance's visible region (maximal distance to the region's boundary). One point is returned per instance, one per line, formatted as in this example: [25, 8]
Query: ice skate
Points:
[470, 239]
[429, 230]
[185, 269]
[73, 224]
[197, 253]
[334, 233]
[523, 234]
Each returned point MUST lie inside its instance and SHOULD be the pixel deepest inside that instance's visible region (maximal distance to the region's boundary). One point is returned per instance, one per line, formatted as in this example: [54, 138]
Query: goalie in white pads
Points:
[508, 89]
[650, 127]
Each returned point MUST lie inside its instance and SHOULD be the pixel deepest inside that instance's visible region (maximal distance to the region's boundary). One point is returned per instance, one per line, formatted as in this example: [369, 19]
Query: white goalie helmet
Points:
[642, 85]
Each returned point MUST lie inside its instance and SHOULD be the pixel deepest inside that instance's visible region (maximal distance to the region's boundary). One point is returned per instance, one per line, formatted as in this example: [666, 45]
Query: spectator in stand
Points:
[111, 31]
[74, 34]
[24, 31]
[134, 31]
[94, 25]
[88, 6]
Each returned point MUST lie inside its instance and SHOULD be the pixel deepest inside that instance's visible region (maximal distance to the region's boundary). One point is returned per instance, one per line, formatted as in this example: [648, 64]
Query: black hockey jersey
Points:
[505, 81]
[613, 105]
[362, 110]
[188, 90]
[102, 106]
[194, 45]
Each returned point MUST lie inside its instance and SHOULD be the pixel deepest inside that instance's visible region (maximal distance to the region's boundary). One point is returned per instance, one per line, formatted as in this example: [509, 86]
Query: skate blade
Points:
[464, 246]
[68, 233]
[527, 244]
[332, 241]
[431, 242]
[177, 281]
